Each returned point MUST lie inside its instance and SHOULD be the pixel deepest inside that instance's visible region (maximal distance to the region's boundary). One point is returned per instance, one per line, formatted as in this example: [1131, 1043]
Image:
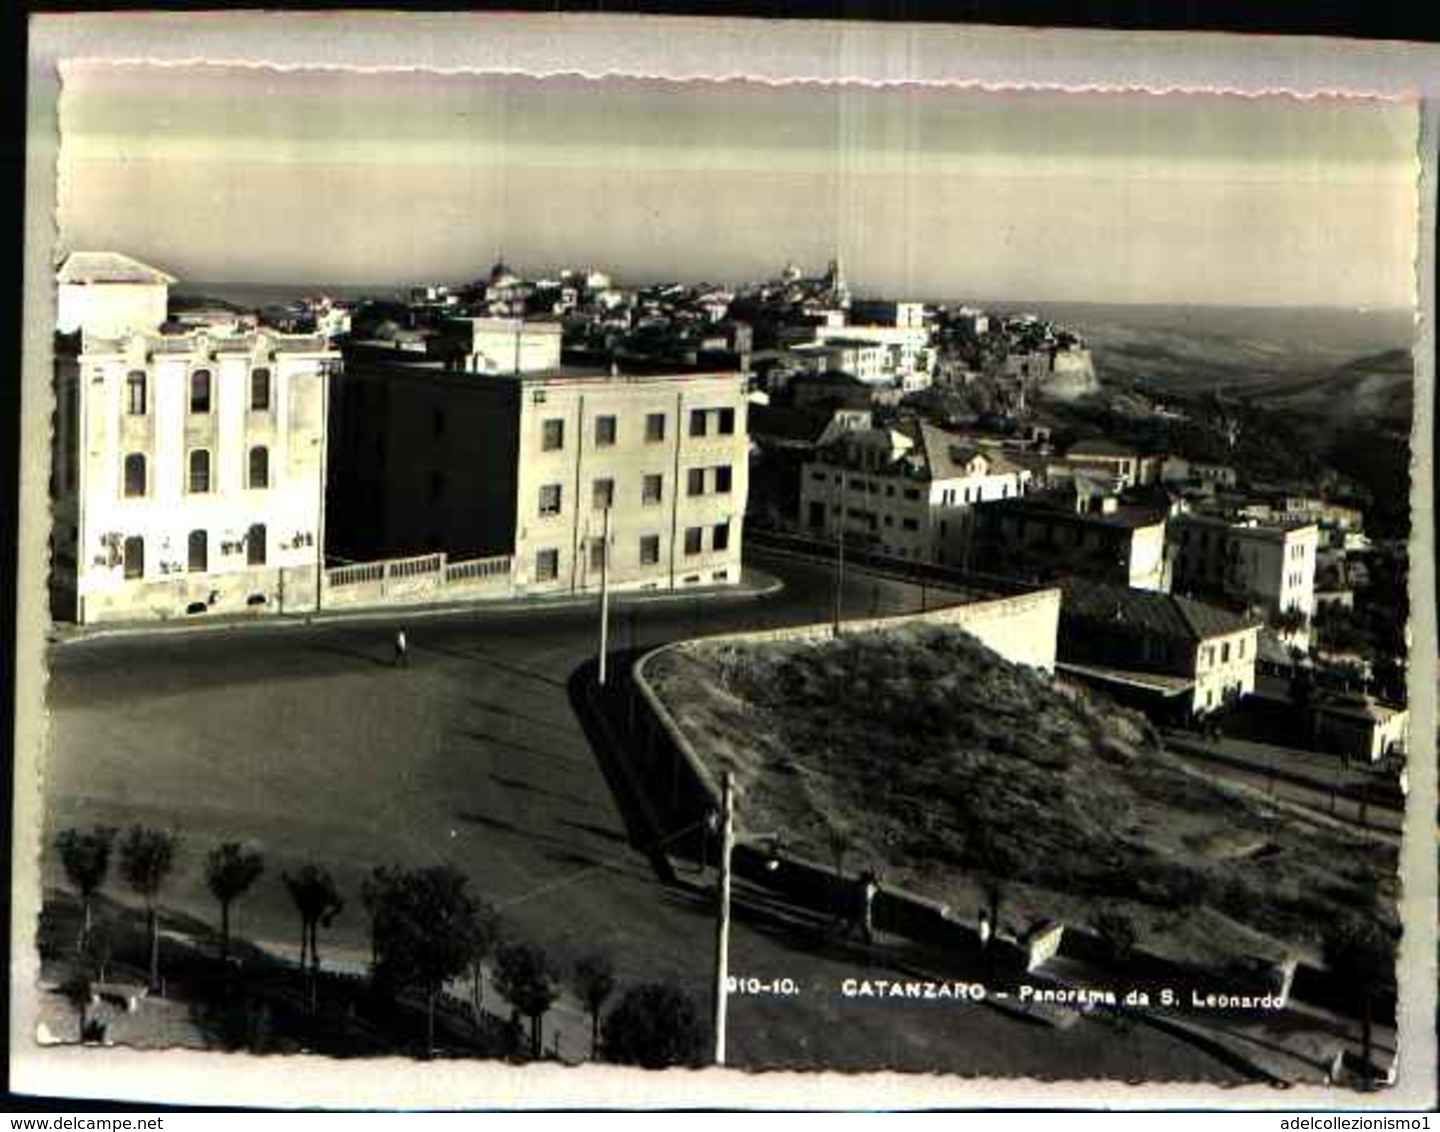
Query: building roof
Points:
[1163, 683]
[1163, 615]
[780, 422]
[109, 267]
[1098, 447]
[948, 455]
[1127, 516]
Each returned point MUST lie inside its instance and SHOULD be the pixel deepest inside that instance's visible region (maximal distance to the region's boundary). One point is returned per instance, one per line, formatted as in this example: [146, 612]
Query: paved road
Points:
[307, 741]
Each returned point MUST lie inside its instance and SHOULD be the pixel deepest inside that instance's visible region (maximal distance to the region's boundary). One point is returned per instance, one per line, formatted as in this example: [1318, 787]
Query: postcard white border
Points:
[690, 48]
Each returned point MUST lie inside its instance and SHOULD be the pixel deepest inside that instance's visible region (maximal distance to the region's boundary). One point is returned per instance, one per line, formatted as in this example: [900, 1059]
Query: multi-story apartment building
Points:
[432, 458]
[1264, 566]
[1094, 537]
[189, 474]
[910, 493]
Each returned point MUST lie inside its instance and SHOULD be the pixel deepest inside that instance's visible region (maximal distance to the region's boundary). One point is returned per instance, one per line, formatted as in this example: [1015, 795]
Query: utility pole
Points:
[840, 558]
[722, 923]
[604, 594]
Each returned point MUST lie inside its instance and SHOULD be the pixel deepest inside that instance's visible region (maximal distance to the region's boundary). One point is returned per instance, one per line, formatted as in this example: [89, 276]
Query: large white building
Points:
[189, 468]
[1265, 566]
[908, 493]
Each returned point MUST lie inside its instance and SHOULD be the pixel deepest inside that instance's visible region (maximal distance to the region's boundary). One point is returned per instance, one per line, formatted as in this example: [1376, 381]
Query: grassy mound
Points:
[925, 754]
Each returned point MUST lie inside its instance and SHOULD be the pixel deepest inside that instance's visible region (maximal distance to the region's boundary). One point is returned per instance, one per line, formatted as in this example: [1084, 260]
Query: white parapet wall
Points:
[1022, 629]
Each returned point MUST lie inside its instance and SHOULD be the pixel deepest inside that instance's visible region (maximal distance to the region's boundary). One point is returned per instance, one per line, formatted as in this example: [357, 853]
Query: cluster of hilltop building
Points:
[520, 437]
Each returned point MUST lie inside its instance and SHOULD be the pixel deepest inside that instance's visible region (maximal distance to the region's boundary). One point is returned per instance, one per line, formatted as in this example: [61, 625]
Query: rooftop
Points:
[1164, 615]
[109, 267]
[1127, 516]
[1099, 447]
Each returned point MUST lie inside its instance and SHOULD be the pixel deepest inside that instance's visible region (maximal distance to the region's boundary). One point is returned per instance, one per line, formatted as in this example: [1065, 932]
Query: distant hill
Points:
[1377, 387]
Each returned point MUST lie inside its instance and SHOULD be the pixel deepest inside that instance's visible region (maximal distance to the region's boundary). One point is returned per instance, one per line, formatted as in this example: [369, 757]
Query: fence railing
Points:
[433, 567]
[477, 568]
[352, 575]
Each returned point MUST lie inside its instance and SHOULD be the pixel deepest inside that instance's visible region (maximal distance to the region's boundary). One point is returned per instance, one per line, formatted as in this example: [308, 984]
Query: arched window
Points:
[134, 475]
[200, 391]
[135, 393]
[199, 547]
[134, 557]
[260, 389]
[259, 466]
[255, 545]
[199, 471]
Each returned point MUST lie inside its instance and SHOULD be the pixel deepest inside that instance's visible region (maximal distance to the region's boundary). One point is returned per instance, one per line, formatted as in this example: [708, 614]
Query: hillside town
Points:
[518, 442]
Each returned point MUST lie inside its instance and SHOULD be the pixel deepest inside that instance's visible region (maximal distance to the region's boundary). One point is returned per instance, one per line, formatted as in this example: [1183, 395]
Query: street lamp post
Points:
[722, 919]
[840, 557]
[604, 594]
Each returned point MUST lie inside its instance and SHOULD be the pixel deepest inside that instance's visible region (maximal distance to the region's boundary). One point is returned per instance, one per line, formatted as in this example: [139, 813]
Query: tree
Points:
[230, 871]
[374, 892]
[425, 925]
[316, 898]
[86, 857]
[485, 933]
[523, 975]
[654, 1025]
[1117, 932]
[1361, 957]
[594, 982]
[146, 857]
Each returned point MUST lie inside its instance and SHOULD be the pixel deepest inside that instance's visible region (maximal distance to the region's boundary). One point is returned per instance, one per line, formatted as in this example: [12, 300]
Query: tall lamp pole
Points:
[722, 920]
[604, 594]
[840, 557]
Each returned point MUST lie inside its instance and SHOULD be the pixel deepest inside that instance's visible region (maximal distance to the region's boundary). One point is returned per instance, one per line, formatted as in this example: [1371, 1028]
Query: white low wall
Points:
[1021, 629]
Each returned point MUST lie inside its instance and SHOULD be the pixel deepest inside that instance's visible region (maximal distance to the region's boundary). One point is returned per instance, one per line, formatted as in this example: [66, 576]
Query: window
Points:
[597, 554]
[695, 482]
[255, 545]
[260, 390]
[818, 477]
[200, 391]
[697, 422]
[653, 490]
[604, 431]
[259, 467]
[135, 393]
[694, 538]
[547, 565]
[912, 493]
[654, 428]
[134, 475]
[910, 524]
[550, 499]
[722, 478]
[722, 536]
[1225, 653]
[134, 557]
[603, 493]
[1241, 653]
[649, 550]
[727, 422]
[199, 552]
[199, 471]
[553, 435]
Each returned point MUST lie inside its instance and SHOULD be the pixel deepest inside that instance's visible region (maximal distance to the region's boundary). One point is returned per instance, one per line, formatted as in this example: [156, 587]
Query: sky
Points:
[254, 175]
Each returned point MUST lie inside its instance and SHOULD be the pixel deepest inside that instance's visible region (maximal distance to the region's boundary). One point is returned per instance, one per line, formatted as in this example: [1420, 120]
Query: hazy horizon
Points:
[268, 176]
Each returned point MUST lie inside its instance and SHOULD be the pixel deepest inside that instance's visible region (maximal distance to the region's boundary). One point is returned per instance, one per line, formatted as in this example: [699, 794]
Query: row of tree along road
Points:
[428, 933]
